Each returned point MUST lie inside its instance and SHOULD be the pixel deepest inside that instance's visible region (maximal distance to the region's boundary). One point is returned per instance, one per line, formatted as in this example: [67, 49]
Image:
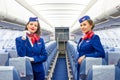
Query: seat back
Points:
[87, 64]
[12, 53]
[103, 72]
[8, 73]
[24, 67]
[118, 63]
[3, 59]
[113, 58]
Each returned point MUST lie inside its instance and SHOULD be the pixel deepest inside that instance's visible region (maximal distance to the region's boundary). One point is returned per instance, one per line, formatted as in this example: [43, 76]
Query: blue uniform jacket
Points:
[91, 47]
[38, 52]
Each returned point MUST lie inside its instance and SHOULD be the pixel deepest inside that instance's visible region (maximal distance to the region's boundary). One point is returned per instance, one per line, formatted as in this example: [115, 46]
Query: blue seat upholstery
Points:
[73, 56]
[24, 67]
[51, 48]
[12, 53]
[9, 73]
[88, 63]
[112, 58]
[3, 59]
[118, 63]
[103, 72]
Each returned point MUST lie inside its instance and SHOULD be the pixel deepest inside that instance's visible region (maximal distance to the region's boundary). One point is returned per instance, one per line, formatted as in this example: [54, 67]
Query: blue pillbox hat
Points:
[33, 19]
[84, 18]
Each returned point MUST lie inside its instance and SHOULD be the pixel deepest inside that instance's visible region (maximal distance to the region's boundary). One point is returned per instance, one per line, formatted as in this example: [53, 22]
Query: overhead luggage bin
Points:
[113, 12]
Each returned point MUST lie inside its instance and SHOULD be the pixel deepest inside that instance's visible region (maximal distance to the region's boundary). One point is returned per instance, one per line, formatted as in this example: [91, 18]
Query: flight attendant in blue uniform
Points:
[32, 46]
[89, 45]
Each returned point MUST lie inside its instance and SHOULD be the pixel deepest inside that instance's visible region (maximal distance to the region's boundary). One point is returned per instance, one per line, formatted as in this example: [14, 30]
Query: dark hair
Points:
[91, 23]
[38, 32]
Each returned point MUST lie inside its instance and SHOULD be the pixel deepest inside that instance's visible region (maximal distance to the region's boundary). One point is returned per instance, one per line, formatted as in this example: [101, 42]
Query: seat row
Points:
[19, 68]
[111, 60]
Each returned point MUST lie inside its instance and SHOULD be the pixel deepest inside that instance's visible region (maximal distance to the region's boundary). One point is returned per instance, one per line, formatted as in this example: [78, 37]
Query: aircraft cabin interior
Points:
[61, 40]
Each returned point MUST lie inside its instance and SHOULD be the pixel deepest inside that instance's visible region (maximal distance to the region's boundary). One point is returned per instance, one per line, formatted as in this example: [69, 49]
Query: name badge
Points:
[87, 41]
[39, 43]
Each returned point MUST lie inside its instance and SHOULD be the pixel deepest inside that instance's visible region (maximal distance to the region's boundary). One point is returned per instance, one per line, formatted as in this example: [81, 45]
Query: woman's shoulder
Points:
[96, 37]
[41, 39]
[19, 38]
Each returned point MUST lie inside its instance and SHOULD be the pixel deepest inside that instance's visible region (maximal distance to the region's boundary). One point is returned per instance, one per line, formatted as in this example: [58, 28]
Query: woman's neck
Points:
[88, 32]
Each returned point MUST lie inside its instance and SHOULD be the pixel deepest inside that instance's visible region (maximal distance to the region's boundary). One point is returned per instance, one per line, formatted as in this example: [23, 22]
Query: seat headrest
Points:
[89, 62]
[10, 72]
[22, 64]
[102, 72]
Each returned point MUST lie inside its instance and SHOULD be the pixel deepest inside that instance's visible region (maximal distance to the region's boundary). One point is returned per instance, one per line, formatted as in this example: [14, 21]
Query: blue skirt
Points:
[39, 75]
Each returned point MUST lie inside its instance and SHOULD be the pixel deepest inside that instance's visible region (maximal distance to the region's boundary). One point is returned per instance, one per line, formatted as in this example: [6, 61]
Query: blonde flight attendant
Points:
[89, 45]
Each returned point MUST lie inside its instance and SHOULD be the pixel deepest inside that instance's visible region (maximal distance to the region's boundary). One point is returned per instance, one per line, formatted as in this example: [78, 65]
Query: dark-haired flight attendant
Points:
[32, 46]
[89, 45]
